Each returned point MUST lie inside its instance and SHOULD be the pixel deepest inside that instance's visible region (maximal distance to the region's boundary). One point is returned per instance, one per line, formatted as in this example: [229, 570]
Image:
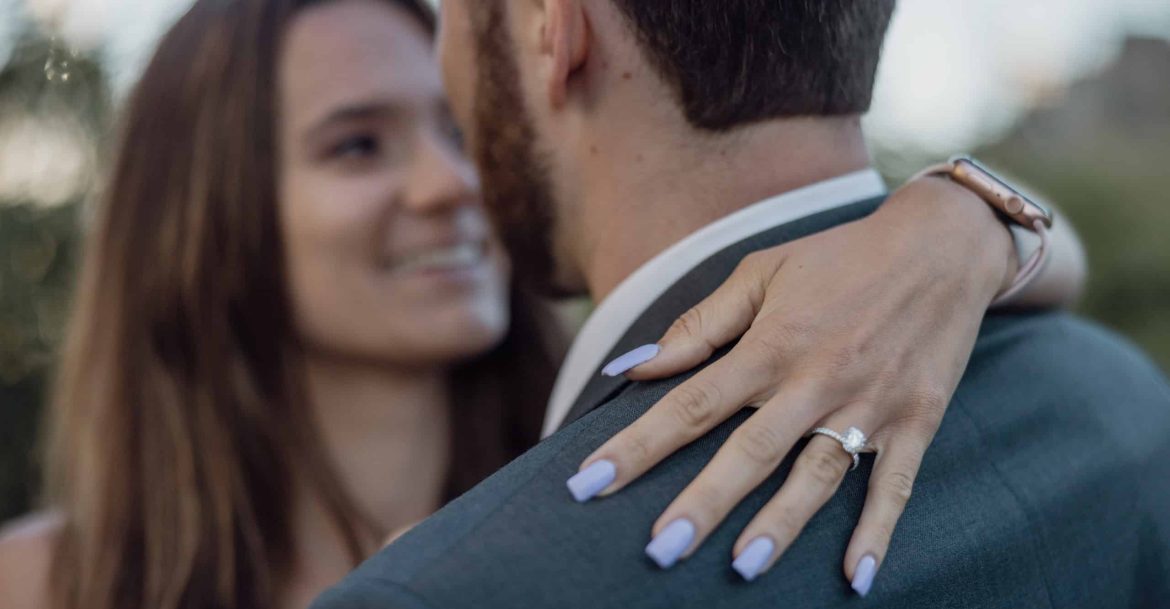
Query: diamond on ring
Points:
[853, 441]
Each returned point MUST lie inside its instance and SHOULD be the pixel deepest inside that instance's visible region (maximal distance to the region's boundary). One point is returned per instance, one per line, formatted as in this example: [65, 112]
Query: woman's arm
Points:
[869, 324]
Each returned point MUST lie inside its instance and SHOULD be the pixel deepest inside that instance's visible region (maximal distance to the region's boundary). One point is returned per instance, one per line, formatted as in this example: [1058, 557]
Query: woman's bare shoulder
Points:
[26, 550]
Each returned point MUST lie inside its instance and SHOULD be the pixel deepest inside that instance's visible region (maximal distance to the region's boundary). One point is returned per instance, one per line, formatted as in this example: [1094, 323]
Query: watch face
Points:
[1000, 194]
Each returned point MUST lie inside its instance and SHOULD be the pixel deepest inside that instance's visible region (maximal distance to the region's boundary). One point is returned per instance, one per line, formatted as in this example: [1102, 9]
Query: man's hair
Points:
[736, 62]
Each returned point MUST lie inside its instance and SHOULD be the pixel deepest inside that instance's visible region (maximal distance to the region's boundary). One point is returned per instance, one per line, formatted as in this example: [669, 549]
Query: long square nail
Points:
[863, 574]
[666, 548]
[631, 360]
[587, 483]
[751, 561]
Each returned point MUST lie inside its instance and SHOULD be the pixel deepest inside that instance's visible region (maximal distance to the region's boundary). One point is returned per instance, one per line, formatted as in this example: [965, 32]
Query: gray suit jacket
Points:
[1048, 485]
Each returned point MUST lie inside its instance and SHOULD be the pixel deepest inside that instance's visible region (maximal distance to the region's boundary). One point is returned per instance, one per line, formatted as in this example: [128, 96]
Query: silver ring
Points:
[853, 441]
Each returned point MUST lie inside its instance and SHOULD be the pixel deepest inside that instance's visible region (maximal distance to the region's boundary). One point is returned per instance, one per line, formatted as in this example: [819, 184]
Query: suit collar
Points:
[641, 309]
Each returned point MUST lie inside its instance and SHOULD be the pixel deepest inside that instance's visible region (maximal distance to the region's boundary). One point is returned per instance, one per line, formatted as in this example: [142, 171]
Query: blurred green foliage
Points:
[1123, 221]
[38, 250]
[37, 253]
[1098, 150]
[1100, 153]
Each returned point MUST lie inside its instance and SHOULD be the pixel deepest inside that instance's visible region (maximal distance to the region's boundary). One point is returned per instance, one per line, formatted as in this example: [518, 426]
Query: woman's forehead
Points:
[335, 52]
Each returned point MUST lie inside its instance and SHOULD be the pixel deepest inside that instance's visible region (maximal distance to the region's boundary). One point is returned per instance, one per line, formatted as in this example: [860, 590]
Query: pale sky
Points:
[8, 28]
[955, 73]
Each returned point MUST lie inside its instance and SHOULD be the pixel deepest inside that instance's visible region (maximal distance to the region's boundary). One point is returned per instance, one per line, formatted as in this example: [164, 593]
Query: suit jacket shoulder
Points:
[1005, 487]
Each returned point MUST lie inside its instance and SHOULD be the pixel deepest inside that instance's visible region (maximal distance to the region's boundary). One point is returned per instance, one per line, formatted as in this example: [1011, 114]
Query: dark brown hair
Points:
[177, 419]
[735, 62]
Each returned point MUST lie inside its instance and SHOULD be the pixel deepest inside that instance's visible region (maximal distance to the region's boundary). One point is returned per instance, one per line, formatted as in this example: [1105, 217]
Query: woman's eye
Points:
[454, 135]
[357, 147]
[451, 131]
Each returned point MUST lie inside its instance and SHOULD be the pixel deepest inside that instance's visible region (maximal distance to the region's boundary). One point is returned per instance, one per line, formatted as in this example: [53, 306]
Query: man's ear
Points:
[566, 41]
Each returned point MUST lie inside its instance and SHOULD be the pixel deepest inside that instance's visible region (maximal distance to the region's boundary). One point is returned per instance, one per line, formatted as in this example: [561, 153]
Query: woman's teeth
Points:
[442, 259]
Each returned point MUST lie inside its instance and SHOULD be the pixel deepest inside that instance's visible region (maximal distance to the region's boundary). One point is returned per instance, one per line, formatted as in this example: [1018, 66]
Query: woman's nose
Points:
[442, 178]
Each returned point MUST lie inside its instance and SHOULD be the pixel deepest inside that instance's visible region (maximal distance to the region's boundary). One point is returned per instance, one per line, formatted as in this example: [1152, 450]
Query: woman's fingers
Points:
[890, 486]
[716, 321]
[814, 479]
[750, 455]
[686, 413]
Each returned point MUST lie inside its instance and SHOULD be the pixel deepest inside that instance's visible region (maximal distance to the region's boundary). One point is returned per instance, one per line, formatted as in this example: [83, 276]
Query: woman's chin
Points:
[458, 340]
[474, 344]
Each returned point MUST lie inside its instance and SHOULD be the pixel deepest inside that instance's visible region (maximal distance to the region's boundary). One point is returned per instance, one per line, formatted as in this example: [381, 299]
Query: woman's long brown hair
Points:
[178, 415]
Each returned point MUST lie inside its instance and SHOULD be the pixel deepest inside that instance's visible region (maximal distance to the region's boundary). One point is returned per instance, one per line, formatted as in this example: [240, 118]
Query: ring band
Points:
[853, 441]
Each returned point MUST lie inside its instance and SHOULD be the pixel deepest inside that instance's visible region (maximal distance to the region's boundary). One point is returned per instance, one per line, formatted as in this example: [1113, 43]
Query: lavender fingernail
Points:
[751, 561]
[592, 480]
[669, 545]
[631, 360]
[863, 574]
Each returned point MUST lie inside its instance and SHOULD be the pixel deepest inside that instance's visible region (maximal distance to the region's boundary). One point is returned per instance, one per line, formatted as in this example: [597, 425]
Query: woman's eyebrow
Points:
[357, 111]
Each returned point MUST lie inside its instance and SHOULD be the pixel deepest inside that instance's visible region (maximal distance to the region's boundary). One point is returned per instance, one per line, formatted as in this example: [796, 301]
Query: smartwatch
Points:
[1018, 208]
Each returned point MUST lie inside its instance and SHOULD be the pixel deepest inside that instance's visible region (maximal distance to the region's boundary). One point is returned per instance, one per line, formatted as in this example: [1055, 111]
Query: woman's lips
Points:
[445, 258]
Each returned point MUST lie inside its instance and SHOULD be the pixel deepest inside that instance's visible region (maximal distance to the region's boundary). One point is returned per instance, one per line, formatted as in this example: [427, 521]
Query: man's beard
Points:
[516, 186]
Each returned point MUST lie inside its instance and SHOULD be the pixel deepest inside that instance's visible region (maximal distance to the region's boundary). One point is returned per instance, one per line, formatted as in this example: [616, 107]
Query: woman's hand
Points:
[867, 325]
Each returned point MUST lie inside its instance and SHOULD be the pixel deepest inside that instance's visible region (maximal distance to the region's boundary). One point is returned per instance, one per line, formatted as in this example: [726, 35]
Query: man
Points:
[645, 148]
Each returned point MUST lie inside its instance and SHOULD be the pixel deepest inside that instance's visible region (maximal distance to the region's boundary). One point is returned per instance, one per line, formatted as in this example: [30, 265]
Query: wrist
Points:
[961, 223]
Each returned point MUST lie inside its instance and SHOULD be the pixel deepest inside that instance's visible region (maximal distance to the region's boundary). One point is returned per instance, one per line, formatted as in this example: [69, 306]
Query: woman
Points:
[294, 333]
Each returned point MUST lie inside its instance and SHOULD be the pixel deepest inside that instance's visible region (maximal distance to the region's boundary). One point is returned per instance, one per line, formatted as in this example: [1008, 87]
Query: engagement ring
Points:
[853, 441]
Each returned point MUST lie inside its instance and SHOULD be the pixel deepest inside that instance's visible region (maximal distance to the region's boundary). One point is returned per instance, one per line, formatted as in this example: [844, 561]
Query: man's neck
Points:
[642, 198]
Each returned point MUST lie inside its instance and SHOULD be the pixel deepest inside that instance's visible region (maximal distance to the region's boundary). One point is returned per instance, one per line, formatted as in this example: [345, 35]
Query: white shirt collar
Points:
[614, 316]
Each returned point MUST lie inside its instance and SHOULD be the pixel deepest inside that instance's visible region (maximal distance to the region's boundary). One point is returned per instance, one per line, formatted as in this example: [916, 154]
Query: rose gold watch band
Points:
[1004, 199]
